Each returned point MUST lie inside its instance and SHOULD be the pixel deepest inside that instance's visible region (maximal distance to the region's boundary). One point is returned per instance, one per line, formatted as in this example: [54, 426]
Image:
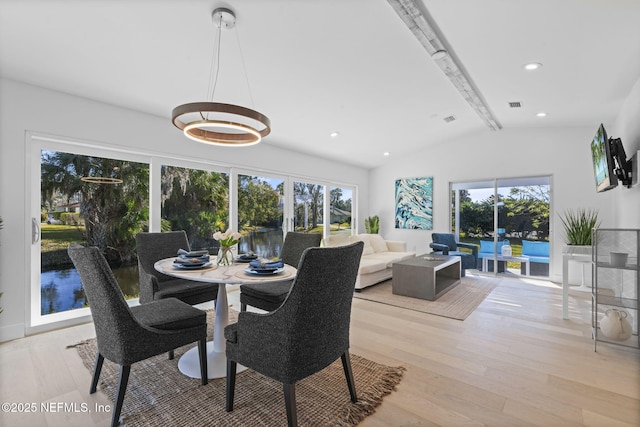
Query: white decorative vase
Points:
[614, 325]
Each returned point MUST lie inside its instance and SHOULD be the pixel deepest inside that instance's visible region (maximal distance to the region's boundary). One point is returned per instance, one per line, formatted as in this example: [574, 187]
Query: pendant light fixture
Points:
[217, 123]
[112, 179]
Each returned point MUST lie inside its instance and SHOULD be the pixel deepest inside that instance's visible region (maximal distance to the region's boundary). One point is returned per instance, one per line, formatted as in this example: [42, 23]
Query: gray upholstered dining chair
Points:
[152, 247]
[269, 296]
[126, 334]
[307, 333]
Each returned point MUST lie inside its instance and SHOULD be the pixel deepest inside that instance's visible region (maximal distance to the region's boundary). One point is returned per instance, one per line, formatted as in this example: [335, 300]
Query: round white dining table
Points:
[189, 363]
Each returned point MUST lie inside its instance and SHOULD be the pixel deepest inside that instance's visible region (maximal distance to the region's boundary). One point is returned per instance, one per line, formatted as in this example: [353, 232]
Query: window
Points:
[260, 214]
[156, 193]
[513, 209]
[70, 206]
[340, 200]
[308, 200]
[196, 201]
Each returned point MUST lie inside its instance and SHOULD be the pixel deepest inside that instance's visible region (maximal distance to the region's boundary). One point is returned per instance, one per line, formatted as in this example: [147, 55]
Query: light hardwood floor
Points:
[513, 362]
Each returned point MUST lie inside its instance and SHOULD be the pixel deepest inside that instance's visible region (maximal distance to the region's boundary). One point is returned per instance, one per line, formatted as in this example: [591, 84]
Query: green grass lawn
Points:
[57, 237]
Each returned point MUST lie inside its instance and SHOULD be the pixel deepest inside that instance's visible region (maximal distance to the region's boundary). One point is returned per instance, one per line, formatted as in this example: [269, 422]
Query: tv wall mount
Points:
[623, 166]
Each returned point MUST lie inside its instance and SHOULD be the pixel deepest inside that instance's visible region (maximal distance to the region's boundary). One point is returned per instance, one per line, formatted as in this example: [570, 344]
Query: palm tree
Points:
[112, 214]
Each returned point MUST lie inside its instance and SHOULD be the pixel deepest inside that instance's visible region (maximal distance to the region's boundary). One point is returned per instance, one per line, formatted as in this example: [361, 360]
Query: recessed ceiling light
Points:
[386, 153]
[334, 134]
[532, 66]
[541, 114]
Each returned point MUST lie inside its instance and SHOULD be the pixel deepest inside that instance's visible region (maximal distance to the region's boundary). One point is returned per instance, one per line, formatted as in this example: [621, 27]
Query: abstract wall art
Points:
[414, 203]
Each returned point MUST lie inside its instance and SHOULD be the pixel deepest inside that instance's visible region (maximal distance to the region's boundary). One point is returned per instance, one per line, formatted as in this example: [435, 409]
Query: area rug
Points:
[159, 395]
[458, 303]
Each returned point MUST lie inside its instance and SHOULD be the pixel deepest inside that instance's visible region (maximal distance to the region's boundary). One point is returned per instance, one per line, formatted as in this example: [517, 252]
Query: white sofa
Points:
[377, 257]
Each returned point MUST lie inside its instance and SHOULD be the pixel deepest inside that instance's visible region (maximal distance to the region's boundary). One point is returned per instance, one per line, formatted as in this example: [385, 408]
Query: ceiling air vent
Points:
[449, 119]
[515, 104]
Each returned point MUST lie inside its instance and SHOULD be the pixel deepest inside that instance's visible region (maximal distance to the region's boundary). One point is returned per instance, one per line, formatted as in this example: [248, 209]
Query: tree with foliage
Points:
[313, 194]
[196, 201]
[524, 210]
[112, 214]
[528, 210]
[258, 203]
[335, 196]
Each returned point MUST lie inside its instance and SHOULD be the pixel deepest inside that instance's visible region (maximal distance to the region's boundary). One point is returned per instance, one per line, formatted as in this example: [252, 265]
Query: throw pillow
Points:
[368, 249]
[377, 243]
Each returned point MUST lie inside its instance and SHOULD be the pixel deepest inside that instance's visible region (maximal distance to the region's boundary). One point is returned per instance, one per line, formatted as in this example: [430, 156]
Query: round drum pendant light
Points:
[250, 131]
[217, 123]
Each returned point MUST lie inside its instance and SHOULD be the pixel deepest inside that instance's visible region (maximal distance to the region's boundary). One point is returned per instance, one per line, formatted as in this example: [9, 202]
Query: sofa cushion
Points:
[536, 249]
[390, 257]
[368, 249]
[336, 240]
[377, 243]
[486, 248]
[370, 265]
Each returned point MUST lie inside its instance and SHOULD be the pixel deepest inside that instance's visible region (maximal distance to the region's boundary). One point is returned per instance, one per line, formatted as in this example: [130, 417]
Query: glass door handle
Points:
[35, 231]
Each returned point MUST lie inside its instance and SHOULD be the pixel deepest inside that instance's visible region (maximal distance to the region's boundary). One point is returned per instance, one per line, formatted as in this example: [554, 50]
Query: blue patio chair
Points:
[446, 244]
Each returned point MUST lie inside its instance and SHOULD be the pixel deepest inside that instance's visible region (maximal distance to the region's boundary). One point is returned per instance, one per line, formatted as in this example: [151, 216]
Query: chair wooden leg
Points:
[170, 355]
[346, 365]
[96, 373]
[122, 387]
[243, 307]
[290, 403]
[202, 352]
[231, 383]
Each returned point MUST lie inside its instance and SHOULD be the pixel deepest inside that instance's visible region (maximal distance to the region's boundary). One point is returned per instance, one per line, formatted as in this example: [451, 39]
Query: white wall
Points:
[627, 128]
[562, 153]
[27, 108]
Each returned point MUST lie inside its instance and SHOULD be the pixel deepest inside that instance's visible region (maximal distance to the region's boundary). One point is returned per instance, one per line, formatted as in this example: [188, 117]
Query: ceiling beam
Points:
[420, 24]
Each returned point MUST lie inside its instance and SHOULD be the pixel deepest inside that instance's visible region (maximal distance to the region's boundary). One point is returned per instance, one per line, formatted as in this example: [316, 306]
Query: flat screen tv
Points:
[603, 163]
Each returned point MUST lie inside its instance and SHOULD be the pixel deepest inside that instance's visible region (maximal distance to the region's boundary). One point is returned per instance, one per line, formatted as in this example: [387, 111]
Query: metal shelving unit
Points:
[615, 286]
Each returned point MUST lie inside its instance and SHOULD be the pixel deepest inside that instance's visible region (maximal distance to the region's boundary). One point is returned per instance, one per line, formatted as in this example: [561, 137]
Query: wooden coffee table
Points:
[426, 276]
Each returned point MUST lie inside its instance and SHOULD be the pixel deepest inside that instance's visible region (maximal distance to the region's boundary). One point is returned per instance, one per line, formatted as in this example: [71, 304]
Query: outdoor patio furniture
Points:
[446, 244]
[486, 251]
[538, 253]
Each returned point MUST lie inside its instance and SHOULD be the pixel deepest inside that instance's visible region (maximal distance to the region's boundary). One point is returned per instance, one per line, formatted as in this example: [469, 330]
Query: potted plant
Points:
[372, 224]
[578, 226]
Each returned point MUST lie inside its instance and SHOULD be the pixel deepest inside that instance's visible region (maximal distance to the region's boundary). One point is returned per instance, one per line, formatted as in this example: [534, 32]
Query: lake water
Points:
[61, 290]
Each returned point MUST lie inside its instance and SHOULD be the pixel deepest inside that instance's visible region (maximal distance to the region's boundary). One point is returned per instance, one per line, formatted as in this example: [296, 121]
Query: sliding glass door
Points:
[91, 195]
[197, 201]
[260, 214]
[500, 212]
[341, 210]
[308, 207]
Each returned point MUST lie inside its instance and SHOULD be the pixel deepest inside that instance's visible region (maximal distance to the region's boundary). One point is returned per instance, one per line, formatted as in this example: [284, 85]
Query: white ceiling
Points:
[318, 66]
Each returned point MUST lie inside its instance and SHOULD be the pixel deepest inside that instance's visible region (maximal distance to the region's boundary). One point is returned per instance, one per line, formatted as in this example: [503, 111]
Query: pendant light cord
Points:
[244, 68]
[213, 76]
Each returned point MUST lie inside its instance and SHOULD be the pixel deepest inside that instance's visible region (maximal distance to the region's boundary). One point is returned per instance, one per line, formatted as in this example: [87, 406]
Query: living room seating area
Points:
[378, 256]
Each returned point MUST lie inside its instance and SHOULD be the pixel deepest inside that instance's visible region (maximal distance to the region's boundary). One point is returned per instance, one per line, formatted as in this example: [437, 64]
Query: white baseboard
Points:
[11, 332]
